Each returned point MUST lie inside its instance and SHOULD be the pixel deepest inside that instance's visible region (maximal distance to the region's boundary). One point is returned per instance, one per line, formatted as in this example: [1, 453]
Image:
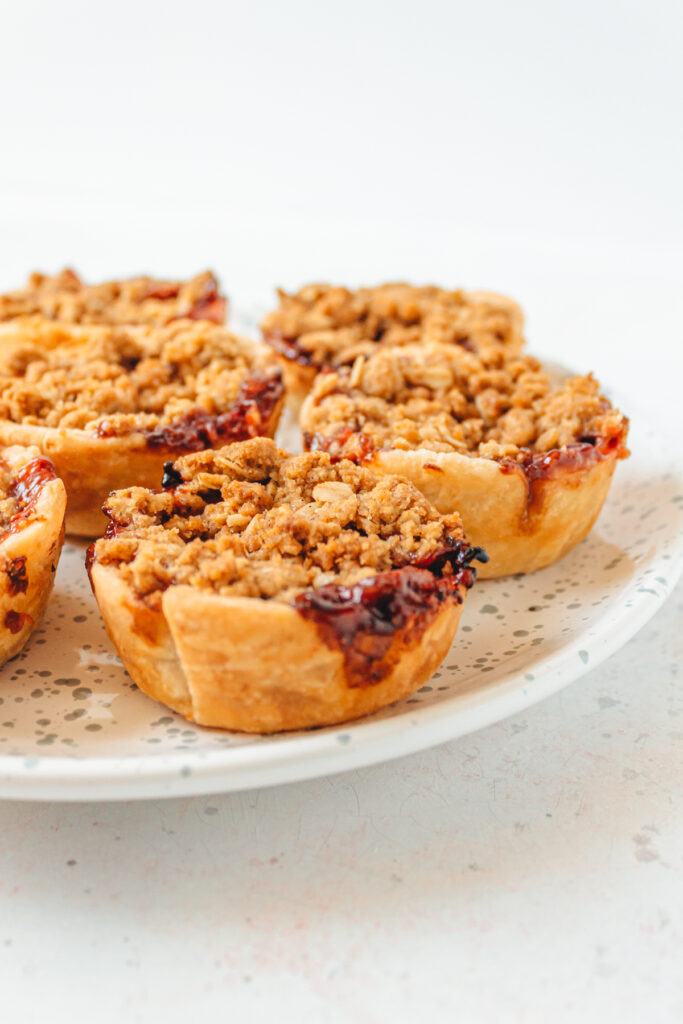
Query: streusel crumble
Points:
[324, 326]
[445, 399]
[182, 386]
[250, 520]
[139, 300]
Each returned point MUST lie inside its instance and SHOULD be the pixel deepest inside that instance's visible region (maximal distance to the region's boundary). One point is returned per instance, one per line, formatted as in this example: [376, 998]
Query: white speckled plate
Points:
[74, 727]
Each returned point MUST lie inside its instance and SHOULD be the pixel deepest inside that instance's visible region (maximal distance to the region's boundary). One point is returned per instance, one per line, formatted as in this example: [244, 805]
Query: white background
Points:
[532, 872]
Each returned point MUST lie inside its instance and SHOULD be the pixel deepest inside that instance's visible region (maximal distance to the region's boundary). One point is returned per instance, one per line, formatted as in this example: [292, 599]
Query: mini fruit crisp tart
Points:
[110, 404]
[261, 591]
[138, 300]
[526, 464]
[323, 327]
[32, 505]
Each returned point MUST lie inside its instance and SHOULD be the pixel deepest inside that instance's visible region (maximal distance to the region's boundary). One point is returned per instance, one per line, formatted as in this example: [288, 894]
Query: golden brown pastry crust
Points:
[31, 536]
[248, 665]
[521, 526]
[528, 466]
[323, 327]
[110, 444]
[66, 298]
[265, 592]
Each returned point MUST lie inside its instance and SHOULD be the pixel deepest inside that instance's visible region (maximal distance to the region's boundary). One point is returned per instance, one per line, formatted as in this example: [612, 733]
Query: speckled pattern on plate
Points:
[74, 726]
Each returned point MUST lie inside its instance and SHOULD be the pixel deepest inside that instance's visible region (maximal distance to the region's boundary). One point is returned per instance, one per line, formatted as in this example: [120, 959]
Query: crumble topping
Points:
[115, 381]
[138, 300]
[446, 399]
[250, 520]
[323, 325]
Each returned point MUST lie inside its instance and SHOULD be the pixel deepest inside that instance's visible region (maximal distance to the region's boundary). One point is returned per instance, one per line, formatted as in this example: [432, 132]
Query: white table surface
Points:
[532, 872]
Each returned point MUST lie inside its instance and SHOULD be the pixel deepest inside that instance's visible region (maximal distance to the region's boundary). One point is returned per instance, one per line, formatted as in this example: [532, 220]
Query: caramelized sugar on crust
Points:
[326, 326]
[445, 399]
[251, 521]
[138, 300]
[20, 486]
[183, 386]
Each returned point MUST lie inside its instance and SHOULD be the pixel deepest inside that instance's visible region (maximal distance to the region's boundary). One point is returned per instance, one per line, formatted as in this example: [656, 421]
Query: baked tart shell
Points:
[251, 665]
[29, 552]
[522, 524]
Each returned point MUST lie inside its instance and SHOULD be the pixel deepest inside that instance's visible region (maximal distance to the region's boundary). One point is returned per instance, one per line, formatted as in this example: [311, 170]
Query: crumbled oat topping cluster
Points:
[446, 399]
[250, 520]
[135, 378]
[139, 300]
[323, 326]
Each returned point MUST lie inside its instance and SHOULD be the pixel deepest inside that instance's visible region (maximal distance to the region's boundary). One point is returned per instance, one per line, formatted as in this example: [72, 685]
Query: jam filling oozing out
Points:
[289, 347]
[90, 553]
[362, 620]
[29, 482]
[163, 292]
[536, 468]
[209, 306]
[15, 621]
[25, 489]
[171, 478]
[17, 576]
[248, 416]
[362, 447]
